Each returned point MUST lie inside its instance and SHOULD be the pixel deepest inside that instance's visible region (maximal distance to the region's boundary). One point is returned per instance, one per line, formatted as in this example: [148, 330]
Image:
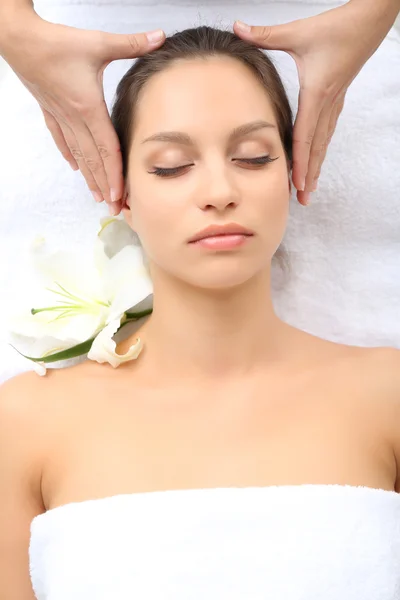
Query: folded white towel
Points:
[344, 248]
[308, 542]
[201, 4]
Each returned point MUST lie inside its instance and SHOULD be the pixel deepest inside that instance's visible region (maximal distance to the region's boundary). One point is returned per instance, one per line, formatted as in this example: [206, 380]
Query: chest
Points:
[263, 435]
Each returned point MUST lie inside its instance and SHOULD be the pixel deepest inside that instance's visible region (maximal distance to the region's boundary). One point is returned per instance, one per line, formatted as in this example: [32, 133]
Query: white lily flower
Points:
[81, 295]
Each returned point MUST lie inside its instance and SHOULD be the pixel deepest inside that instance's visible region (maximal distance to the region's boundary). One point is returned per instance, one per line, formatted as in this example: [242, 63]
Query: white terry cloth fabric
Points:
[344, 248]
[306, 542]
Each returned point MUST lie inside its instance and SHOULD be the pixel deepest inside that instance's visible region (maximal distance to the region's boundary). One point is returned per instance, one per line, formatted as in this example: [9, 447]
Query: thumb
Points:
[119, 45]
[271, 37]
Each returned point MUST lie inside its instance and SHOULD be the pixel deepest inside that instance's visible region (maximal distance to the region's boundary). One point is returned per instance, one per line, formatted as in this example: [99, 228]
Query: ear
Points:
[126, 207]
[126, 210]
[126, 200]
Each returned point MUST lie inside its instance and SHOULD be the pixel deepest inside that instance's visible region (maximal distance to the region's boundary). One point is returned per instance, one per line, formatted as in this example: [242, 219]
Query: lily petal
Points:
[115, 234]
[73, 328]
[126, 282]
[103, 347]
[77, 273]
[39, 368]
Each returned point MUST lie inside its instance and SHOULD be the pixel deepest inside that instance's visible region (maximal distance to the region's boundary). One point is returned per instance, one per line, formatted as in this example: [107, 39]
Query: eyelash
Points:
[259, 160]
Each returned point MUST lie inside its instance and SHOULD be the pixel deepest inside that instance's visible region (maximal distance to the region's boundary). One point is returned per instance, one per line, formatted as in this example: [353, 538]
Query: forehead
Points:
[202, 89]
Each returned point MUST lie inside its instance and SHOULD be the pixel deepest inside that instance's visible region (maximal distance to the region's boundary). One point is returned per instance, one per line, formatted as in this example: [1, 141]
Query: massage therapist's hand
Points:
[329, 50]
[63, 69]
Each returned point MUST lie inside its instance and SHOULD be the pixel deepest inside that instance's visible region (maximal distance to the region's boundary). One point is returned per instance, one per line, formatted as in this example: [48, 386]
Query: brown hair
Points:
[200, 43]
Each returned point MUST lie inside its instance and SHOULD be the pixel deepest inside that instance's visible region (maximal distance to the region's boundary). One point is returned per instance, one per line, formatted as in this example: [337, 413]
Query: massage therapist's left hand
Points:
[329, 50]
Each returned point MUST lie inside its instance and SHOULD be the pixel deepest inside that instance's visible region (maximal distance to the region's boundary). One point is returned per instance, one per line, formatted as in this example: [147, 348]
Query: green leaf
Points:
[134, 316]
[73, 352]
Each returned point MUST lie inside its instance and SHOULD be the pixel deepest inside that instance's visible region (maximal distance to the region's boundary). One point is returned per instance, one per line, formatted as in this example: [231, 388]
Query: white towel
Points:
[307, 542]
[344, 249]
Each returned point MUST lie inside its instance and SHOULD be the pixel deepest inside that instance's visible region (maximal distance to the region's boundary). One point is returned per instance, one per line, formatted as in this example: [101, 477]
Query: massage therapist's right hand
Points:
[63, 69]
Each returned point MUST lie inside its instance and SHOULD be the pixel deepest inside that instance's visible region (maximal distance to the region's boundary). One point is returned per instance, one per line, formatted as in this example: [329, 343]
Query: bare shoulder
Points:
[375, 361]
[45, 406]
[374, 371]
[376, 367]
[33, 406]
[36, 396]
[383, 365]
[29, 394]
[20, 397]
[25, 411]
[381, 369]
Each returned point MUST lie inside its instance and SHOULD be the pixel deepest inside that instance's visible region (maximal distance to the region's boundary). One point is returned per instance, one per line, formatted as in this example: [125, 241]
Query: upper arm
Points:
[20, 473]
[387, 361]
[396, 418]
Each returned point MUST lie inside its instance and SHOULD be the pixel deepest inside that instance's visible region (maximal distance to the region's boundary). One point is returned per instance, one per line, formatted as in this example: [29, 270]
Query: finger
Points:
[58, 137]
[319, 145]
[131, 45]
[80, 159]
[85, 151]
[274, 37]
[310, 106]
[336, 110]
[108, 146]
[303, 197]
[115, 208]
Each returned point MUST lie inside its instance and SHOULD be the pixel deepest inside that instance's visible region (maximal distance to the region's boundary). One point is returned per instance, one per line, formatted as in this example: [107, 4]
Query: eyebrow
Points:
[179, 137]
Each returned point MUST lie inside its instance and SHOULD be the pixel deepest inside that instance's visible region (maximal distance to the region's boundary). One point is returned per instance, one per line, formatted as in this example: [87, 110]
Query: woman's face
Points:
[213, 179]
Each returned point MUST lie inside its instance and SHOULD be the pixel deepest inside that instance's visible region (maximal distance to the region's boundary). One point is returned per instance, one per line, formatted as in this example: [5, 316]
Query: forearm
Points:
[385, 11]
[14, 15]
[379, 14]
[10, 8]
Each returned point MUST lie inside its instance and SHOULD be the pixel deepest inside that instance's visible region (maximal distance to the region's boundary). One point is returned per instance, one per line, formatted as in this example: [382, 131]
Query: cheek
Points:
[151, 218]
[273, 195]
[272, 203]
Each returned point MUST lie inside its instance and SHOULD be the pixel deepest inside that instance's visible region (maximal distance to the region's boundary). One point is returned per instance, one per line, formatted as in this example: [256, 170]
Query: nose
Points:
[219, 191]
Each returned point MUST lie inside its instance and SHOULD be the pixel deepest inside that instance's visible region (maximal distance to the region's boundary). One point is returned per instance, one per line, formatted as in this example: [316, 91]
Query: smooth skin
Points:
[63, 69]
[224, 392]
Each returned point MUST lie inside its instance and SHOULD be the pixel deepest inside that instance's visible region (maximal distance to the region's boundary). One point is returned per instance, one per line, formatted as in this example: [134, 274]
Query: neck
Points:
[210, 335]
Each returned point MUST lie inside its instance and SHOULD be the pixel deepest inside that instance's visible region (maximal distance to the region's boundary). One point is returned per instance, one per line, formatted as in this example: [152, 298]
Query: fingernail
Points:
[155, 36]
[302, 185]
[114, 210]
[243, 26]
[114, 197]
[306, 198]
[97, 197]
[74, 167]
[315, 185]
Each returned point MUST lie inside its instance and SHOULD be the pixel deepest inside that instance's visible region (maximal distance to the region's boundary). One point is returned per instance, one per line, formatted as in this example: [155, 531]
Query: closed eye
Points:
[257, 161]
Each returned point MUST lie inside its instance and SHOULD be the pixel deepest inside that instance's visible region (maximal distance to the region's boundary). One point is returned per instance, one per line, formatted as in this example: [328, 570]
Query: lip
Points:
[216, 230]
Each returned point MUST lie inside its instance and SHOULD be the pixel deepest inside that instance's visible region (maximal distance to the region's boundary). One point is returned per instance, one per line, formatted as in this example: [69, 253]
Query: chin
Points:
[222, 278]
